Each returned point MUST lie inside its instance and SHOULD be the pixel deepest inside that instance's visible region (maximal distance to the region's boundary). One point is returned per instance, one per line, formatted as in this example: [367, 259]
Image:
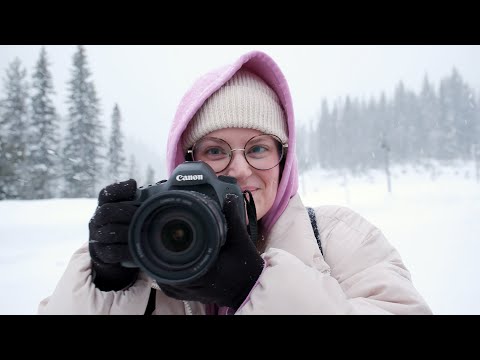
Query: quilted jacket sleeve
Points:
[367, 275]
[75, 293]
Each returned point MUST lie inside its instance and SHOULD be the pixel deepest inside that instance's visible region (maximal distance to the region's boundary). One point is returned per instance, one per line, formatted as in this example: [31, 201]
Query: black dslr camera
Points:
[178, 230]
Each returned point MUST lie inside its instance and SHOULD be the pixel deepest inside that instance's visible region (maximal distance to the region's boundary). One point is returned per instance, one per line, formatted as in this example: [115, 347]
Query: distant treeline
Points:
[45, 155]
[435, 126]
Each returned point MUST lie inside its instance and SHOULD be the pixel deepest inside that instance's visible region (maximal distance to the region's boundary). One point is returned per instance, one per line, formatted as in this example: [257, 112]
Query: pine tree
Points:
[322, 135]
[133, 169]
[13, 133]
[430, 116]
[398, 139]
[475, 145]
[302, 148]
[150, 176]
[115, 157]
[458, 117]
[370, 124]
[83, 151]
[384, 131]
[347, 131]
[43, 159]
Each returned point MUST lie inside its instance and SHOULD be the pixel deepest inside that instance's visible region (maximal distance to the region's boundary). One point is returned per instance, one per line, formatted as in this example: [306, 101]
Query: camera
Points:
[177, 231]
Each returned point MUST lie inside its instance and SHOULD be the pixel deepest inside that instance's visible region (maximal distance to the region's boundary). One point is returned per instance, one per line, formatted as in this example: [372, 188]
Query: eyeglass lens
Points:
[262, 152]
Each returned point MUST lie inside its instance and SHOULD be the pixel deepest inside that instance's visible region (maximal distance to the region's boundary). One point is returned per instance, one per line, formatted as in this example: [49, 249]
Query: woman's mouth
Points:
[252, 189]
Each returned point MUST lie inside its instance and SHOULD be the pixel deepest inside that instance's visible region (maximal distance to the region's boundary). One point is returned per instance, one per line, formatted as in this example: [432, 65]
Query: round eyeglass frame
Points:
[284, 149]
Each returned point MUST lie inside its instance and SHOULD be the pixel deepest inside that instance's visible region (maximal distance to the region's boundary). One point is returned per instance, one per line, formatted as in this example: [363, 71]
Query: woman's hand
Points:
[235, 272]
[108, 244]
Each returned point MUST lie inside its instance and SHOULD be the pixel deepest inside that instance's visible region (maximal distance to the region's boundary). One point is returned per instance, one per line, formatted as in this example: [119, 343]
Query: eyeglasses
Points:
[262, 152]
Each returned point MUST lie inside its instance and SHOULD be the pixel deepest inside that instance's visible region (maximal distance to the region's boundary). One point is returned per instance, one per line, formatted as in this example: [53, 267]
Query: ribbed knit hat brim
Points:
[245, 101]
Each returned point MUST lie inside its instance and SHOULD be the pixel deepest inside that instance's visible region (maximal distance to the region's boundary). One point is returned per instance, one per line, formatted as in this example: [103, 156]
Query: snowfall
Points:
[432, 219]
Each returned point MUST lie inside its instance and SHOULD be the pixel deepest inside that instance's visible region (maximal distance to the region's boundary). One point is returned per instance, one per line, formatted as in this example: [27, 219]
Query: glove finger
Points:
[109, 253]
[235, 224]
[110, 234]
[113, 213]
[121, 191]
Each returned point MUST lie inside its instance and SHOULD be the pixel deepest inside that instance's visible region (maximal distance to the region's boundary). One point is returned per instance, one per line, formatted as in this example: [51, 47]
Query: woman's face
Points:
[263, 184]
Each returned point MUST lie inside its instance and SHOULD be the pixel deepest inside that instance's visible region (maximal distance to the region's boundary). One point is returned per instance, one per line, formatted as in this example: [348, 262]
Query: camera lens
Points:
[175, 236]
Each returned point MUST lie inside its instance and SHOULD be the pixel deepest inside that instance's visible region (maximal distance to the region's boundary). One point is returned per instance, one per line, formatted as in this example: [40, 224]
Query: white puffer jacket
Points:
[360, 273]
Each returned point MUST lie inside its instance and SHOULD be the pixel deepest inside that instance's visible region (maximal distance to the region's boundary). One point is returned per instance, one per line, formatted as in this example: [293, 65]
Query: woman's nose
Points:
[239, 167]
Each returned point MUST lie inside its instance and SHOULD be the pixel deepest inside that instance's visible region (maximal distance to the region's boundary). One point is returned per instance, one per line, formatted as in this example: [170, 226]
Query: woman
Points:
[239, 120]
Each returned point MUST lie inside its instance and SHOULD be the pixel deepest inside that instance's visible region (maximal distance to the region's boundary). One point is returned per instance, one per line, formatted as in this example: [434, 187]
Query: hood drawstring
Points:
[188, 308]
[252, 216]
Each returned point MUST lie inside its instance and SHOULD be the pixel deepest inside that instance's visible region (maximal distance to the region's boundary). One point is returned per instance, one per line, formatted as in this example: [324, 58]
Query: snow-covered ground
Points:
[433, 222]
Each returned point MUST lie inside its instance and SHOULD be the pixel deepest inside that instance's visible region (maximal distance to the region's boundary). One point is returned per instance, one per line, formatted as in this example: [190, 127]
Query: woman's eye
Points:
[257, 149]
[215, 151]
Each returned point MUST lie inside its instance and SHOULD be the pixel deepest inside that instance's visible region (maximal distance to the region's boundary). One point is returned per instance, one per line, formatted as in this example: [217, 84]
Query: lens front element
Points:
[177, 236]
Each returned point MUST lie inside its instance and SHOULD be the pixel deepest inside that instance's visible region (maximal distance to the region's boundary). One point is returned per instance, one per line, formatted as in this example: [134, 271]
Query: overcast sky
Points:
[148, 81]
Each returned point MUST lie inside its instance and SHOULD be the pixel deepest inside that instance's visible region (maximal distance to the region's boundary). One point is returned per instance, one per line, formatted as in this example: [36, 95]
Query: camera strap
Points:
[313, 221]
[252, 216]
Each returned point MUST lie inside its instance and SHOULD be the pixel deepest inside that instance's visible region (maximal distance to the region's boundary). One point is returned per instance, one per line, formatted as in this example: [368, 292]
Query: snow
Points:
[433, 222]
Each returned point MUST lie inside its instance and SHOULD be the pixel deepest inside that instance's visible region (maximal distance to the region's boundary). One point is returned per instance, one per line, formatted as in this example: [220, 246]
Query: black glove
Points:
[108, 243]
[234, 273]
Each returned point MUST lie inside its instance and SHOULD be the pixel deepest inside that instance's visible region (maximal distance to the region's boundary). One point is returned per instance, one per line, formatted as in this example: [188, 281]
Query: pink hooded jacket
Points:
[360, 272]
[261, 64]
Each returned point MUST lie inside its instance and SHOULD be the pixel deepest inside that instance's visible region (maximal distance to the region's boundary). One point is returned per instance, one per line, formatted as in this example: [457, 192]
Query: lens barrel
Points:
[175, 236]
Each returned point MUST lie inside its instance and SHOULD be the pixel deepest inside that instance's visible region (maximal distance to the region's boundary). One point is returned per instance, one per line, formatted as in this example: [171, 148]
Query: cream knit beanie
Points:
[245, 101]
